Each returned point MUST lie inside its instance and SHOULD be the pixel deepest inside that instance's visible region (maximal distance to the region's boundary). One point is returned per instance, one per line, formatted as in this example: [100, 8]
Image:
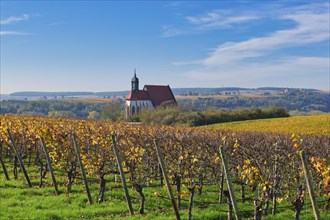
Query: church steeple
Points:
[135, 83]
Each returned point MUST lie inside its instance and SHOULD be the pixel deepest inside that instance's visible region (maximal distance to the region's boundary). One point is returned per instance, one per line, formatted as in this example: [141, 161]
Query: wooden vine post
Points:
[221, 185]
[309, 185]
[19, 158]
[122, 175]
[3, 164]
[229, 182]
[275, 182]
[4, 168]
[76, 146]
[49, 164]
[169, 189]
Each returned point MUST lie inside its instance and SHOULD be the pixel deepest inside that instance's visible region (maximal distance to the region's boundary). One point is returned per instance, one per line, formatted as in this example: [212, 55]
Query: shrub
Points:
[173, 115]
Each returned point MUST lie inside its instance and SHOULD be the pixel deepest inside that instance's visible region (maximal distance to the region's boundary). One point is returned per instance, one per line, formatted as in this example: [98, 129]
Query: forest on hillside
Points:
[293, 100]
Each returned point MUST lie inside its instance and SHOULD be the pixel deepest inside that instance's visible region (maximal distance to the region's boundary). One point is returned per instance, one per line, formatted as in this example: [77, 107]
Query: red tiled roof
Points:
[138, 95]
[160, 94]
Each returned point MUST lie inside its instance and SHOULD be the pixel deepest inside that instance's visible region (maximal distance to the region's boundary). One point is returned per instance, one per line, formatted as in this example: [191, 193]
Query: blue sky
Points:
[95, 45]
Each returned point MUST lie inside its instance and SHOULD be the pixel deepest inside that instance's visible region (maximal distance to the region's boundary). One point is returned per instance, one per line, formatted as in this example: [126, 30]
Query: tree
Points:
[113, 112]
[94, 115]
[61, 114]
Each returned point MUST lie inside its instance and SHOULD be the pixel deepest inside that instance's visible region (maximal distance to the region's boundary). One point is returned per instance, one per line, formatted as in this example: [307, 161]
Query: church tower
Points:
[149, 97]
[137, 99]
[135, 83]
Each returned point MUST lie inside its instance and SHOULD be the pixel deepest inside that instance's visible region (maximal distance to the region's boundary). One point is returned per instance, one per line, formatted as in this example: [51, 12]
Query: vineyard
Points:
[197, 167]
[310, 125]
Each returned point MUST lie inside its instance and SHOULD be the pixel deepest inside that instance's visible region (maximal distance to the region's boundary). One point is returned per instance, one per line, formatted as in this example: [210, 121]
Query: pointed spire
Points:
[135, 82]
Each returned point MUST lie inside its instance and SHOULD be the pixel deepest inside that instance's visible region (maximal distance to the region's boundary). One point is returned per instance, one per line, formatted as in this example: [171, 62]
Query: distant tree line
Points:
[294, 100]
[65, 108]
[175, 115]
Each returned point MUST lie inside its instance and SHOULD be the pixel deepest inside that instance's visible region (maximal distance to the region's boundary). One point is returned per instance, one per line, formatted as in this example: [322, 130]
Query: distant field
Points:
[91, 99]
[315, 125]
[242, 95]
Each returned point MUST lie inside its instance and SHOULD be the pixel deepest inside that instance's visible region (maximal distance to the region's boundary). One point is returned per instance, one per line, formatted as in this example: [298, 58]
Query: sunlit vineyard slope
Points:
[314, 125]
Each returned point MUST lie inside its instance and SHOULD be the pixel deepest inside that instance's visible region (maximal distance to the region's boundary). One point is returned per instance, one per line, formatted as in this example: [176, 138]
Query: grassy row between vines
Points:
[19, 202]
[303, 125]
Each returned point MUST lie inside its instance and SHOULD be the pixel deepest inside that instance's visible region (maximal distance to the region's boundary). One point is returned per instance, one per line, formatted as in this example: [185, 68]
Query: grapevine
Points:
[264, 162]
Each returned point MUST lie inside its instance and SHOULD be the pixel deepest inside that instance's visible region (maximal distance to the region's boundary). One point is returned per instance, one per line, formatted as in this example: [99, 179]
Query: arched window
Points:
[138, 109]
[133, 110]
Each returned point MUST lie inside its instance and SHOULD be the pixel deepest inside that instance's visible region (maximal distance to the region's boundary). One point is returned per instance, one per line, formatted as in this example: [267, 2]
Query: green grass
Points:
[17, 201]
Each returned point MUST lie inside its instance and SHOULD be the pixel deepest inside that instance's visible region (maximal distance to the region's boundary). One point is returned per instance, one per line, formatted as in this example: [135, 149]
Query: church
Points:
[150, 97]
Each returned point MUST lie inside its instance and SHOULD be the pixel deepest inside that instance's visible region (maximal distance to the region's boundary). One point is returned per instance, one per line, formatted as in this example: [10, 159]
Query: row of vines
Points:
[266, 163]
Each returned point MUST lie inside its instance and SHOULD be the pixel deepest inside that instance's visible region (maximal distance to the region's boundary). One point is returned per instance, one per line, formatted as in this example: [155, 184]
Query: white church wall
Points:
[134, 106]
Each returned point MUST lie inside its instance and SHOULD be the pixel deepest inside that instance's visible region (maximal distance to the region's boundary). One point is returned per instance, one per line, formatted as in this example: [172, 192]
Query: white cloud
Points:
[307, 72]
[169, 31]
[218, 19]
[311, 28]
[293, 65]
[4, 33]
[247, 63]
[210, 17]
[14, 19]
